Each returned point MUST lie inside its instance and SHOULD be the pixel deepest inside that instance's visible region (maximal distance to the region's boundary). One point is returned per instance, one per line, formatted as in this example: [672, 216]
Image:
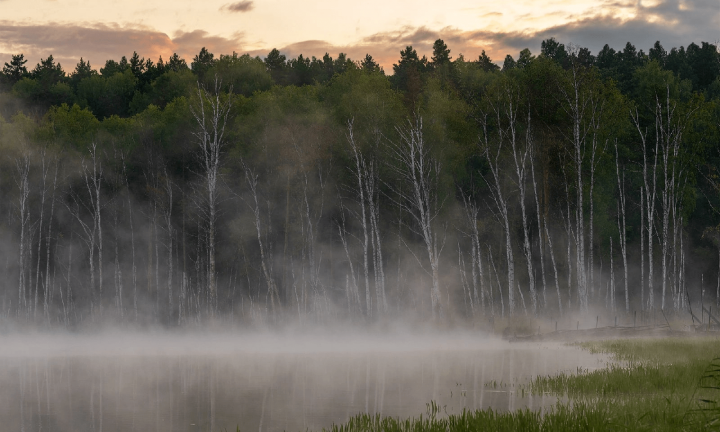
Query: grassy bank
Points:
[658, 385]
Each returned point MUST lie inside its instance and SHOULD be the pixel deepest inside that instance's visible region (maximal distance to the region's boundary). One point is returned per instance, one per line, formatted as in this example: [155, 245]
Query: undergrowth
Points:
[655, 385]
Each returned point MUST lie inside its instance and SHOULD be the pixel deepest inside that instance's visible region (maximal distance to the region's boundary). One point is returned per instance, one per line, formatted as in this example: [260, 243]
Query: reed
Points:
[654, 385]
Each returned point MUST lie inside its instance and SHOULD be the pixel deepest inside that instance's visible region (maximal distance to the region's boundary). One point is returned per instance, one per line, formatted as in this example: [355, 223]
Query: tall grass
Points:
[656, 385]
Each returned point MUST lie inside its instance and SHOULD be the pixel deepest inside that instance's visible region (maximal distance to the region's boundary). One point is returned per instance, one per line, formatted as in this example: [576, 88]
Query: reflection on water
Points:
[182, 383]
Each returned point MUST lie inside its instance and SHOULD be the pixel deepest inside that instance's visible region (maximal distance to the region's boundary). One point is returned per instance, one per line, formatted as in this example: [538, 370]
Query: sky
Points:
[98, 30]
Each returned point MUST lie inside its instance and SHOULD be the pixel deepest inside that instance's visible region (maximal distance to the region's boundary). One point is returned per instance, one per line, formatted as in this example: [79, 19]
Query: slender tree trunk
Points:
[502, 303]
[520, 157]
[541, 232]
[361, 189]
[612, 279]
[44, 173]
[23, 169]
[374, 213]
[354, 296]
[170, 241]
[501, 205]
[117, 277]
[264, 259]
[421, 172]
[467, 293]
[622, 227]
[47, 244]
[642, 249]
[211, 114]
[132, 236]
[552, 258]
[650, 198]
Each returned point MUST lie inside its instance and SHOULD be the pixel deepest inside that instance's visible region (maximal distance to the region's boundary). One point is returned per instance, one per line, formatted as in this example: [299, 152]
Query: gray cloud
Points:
[187, 44]
[100, 42]
[668, 22]
[241, 6]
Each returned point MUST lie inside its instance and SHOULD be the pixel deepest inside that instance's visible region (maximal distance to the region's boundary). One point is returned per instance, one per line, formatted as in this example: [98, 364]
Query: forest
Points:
[260, 191]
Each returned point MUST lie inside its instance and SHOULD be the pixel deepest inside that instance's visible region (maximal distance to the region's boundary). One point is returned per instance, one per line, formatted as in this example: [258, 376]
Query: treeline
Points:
[262, 190]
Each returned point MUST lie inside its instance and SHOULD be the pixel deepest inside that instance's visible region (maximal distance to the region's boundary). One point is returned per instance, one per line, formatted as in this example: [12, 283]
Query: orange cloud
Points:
[100, 42]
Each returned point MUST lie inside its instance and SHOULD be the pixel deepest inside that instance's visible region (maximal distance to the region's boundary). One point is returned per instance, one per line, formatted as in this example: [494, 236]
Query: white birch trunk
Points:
[421, 171]
[170, 233]
[501, 206]
[47, 244]
[358, 173]
[622, 227]
[650, 199]
[211, 115]
[520, 158]
[44, 172]
[23, 169]
[541, 243]
[552, 258]
[272, 290]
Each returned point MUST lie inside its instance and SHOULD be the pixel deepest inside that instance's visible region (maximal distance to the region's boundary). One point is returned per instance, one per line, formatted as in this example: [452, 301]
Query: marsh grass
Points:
[654, 385]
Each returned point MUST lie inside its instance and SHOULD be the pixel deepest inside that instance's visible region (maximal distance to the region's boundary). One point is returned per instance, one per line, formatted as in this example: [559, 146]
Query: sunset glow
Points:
[102, 30]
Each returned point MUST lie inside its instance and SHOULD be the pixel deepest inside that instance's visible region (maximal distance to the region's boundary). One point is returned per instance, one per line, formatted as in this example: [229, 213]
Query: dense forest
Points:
[258, 191]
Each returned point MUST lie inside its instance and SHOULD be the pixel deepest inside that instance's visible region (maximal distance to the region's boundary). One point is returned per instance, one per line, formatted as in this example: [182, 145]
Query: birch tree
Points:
[471, 215]
[669, 127]
[48, 239]
[622, 228]
[582, 103]
[211, 111]
[22, 165]
[168, 187]
[44, 168]
[650, 190]
[92, 177]
[420, 171]
[506, 105]
[265, 259]
[360, 190]
[492, 148]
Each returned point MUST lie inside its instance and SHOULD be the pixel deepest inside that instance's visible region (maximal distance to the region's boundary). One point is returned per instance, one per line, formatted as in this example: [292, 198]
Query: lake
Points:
[262, 381]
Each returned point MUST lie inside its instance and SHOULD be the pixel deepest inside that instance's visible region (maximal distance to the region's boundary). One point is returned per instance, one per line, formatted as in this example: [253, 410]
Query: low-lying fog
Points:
[161, 381]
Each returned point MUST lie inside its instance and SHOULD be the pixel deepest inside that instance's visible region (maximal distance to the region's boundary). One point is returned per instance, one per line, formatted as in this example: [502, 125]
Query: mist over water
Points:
[162, 381]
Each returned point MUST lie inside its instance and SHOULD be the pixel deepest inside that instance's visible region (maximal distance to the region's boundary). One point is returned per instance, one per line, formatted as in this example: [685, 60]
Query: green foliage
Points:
[653, 388]
[244, 74]
[73, 126]
[15, 70]
[202, 62]
[108, 96]
[285, 107]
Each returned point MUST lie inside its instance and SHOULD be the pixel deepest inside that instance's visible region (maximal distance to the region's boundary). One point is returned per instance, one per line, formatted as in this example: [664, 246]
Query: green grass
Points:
[657, 385]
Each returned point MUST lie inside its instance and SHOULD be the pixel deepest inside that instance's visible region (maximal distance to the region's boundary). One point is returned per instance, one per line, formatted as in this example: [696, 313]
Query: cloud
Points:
[385, 47]
[672, 22]
[669, 22]
[613, 22]
[241, 6]
[187, 44]
[100, 42]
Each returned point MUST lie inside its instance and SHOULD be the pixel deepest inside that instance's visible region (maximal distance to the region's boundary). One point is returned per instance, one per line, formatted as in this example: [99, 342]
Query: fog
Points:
[160, 381]
[283, 243]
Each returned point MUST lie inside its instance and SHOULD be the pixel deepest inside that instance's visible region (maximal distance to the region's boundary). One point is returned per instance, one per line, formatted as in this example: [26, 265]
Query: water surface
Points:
[207, 382]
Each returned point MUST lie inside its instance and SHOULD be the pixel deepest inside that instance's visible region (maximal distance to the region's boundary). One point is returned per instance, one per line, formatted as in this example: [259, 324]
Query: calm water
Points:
[160, 382]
